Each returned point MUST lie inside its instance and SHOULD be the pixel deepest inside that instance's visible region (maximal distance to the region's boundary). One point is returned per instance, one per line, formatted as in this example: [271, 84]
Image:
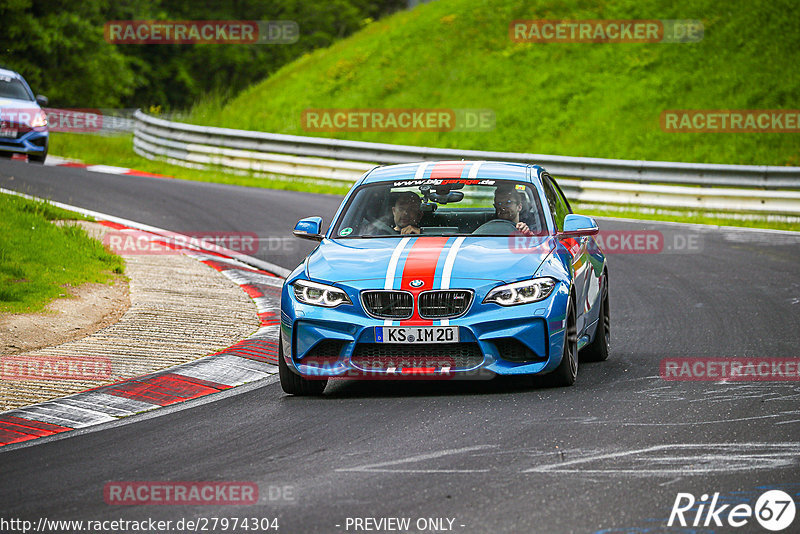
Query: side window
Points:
[557, 203]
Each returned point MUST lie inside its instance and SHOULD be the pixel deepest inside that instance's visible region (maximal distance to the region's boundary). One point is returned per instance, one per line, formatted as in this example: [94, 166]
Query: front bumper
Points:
[493, 340]
[32, 142]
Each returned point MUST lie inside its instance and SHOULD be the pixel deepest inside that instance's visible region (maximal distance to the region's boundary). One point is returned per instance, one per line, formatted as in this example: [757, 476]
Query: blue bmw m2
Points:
[446, 270]
[23, 122]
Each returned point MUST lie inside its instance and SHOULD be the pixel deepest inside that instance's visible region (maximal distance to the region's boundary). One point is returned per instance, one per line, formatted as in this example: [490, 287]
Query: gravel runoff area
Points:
[180, 310]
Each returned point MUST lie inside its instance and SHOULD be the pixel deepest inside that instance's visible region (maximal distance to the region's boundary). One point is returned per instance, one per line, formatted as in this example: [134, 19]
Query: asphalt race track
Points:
[610, 454]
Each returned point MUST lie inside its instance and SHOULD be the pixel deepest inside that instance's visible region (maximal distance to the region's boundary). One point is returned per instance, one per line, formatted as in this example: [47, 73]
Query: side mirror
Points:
[578, 225]
[308, 228]
[42, 100]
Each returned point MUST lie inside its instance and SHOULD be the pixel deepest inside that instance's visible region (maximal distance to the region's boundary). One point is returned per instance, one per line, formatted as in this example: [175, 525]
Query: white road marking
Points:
[662, 460]
[687, 423]
[383, 467]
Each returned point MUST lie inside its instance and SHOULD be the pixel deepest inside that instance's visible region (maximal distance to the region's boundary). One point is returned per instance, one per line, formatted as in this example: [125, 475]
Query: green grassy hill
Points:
[576, 99]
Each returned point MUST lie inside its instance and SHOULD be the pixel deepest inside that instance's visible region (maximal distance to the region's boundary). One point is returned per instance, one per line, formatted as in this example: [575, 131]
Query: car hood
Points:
[11, 110]
[6, 102]
[430, 259]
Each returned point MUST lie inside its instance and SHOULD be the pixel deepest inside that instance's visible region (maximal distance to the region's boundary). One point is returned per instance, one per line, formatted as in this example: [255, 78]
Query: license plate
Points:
[416, 334]
[7, 132]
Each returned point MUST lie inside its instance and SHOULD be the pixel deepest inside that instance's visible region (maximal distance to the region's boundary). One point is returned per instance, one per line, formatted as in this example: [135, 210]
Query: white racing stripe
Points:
[473, 172]
[420, 174]
[392, 268]
[447, 271]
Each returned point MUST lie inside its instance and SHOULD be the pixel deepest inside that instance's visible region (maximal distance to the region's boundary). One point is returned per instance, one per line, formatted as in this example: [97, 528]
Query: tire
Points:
[37, 159]
[294, 384]
[599, 348]
[566, 372]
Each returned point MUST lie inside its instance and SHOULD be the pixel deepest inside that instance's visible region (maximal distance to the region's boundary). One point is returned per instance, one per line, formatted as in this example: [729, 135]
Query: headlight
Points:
[521, 292]
[319, 294]
[40, 120]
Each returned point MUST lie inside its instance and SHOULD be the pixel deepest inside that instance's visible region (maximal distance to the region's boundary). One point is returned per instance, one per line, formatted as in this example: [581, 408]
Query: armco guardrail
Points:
[738, 188]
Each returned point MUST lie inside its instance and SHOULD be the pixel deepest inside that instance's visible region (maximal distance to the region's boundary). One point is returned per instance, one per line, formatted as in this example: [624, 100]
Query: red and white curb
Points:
[56, 161]
[248, 360]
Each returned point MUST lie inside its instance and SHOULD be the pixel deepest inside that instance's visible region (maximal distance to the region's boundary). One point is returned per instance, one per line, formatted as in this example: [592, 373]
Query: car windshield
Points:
[441, 207]
[13, 88]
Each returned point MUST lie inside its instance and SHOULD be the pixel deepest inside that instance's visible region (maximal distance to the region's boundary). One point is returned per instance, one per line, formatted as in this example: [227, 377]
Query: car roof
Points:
[6, 72]
[449, 169]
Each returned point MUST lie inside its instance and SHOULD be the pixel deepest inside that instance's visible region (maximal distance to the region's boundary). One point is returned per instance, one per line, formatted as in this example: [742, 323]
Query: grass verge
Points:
[39, 259]
[573, 99]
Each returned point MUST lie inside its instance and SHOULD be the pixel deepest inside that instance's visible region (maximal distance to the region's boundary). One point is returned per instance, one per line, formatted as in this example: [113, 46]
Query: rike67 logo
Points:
[774, 510]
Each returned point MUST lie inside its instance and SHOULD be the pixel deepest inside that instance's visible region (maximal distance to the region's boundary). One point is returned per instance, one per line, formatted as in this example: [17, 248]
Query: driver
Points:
[508, 205]
[407, 212]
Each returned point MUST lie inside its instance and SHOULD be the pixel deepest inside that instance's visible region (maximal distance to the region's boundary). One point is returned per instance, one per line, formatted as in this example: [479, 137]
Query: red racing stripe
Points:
[421, 265]
[448, 169]
[418, 370]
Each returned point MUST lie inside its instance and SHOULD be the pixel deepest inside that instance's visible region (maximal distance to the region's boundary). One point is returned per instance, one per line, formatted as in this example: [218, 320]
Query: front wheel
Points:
[567, 370]
[294, 384]
[37, 158]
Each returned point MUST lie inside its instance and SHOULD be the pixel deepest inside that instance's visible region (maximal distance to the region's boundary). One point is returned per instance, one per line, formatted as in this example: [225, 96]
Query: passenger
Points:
[508, 205]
